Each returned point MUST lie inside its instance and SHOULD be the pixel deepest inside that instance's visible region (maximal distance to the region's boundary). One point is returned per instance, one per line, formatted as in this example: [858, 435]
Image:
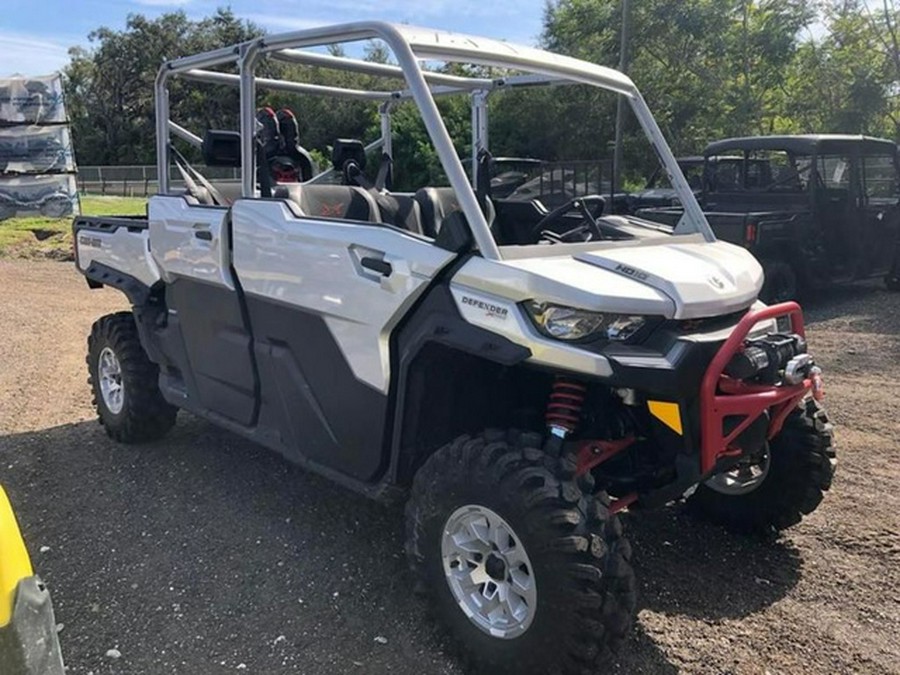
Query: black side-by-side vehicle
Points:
[814, 209]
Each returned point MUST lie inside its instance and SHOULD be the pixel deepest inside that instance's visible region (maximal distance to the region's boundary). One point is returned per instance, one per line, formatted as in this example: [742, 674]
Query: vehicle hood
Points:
[684, 279]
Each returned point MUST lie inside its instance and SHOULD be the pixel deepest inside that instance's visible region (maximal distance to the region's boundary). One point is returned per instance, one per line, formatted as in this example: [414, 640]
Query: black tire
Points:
[802, 463]
[144, 415]
[892, 283]
[780, 283]
[586, 588]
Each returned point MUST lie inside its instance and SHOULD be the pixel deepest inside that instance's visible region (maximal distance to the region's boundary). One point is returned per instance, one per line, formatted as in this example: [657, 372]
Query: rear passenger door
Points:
[324, 296]
[210, 341]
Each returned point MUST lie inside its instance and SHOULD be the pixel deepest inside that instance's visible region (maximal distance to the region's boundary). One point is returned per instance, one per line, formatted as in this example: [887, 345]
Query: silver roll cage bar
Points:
[409, 46]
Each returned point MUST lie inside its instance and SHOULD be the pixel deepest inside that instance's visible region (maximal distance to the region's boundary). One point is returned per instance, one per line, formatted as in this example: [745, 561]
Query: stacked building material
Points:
[37, 163]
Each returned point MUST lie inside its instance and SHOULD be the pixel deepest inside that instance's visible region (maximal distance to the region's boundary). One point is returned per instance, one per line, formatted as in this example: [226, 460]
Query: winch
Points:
[777, 357]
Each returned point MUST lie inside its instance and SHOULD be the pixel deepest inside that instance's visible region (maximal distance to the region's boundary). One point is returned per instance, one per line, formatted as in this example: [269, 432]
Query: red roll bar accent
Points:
[722, 396]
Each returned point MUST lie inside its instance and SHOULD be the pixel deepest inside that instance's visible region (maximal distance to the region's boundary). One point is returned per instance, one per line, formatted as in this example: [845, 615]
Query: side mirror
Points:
[222, 148]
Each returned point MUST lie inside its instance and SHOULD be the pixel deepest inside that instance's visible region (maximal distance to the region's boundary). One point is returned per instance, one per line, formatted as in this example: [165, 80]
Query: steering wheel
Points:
[590, 206]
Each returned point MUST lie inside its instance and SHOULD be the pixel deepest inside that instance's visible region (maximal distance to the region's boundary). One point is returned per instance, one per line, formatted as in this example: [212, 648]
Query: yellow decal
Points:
[667, 413]
[14, 562]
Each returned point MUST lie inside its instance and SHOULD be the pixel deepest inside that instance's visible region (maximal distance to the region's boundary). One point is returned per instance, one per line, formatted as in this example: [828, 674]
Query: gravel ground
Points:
[204, 554]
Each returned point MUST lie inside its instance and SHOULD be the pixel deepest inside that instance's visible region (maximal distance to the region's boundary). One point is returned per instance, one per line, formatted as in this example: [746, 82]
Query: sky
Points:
[35, 35]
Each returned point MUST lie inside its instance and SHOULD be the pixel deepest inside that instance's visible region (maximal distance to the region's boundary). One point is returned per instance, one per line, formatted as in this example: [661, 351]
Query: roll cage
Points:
[410, 46]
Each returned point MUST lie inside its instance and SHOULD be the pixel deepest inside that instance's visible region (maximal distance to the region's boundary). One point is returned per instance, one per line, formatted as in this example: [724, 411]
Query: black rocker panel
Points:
[218, 348]
[310, 400]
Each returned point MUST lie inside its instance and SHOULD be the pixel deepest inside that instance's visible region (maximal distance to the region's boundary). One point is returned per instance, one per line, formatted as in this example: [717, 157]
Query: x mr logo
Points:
[332, 210]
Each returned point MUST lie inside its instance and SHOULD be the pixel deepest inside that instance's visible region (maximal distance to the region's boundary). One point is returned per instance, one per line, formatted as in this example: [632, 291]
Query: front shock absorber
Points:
[563, 412]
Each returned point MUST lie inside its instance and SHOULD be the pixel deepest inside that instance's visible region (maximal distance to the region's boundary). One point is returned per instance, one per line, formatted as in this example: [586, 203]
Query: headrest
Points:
[221, 148]
[346, 149]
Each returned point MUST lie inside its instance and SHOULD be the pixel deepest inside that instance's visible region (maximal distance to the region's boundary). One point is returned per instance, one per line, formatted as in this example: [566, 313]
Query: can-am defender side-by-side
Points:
[520, 395]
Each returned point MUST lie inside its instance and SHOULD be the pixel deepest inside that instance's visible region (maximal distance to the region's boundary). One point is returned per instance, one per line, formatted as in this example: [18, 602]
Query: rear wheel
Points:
[787, 481]
[526, 568]
[780, 283]
[125, 382]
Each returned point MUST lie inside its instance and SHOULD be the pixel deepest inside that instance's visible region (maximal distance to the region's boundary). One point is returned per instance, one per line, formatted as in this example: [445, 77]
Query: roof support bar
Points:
[283, 85]
[479, 130]
[247, 63]
[380, 69]
[186, 135]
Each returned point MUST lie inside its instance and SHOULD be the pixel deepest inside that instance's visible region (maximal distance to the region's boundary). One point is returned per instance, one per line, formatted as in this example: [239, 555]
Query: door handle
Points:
[205, 235]
[383, 267]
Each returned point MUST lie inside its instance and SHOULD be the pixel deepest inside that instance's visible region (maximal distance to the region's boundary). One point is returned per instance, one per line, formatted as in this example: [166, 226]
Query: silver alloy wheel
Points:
[489, 572]
[742, 479]
[110, 374]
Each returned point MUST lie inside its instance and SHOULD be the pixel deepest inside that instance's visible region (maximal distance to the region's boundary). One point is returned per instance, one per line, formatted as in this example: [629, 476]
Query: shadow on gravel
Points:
[692, 568]
[202, 552]
[836, 302]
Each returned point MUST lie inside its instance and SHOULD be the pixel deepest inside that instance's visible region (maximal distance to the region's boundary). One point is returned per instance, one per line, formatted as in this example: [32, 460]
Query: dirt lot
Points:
[204, 554]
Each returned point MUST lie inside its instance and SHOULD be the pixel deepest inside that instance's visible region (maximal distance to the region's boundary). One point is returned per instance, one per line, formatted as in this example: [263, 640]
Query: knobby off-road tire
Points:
[138, 413]
[584, 600]
[780, 282]
[801, 467]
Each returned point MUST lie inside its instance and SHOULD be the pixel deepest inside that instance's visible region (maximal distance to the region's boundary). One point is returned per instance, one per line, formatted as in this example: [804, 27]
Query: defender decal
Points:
[491, 310]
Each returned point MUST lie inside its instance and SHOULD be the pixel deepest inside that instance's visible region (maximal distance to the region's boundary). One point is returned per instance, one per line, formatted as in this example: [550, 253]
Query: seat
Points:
[288, 162]
[400, 210]
[342, 202]
[437, 204]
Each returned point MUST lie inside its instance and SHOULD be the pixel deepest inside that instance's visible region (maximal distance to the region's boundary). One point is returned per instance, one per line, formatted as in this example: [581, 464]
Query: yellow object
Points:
[667, 413]
[15, 564]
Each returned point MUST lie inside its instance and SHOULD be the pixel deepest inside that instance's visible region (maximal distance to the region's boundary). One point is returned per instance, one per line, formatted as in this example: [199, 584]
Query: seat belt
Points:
[389, 206]
[213, 192]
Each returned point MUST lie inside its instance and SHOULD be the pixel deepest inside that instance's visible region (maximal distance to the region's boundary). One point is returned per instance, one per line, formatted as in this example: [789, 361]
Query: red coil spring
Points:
[566, 402]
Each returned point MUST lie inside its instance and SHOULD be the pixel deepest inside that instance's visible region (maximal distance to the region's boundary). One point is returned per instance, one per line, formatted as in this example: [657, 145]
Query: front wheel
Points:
[787, 481]
[527, 569]
[125, 382]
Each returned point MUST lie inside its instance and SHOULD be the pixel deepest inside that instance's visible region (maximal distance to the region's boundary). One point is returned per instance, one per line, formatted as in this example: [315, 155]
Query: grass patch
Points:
[51, 238]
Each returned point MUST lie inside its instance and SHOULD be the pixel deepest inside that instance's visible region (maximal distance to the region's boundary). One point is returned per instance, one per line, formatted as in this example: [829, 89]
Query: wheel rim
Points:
[110, 374]
[743, 478]
[489, 572]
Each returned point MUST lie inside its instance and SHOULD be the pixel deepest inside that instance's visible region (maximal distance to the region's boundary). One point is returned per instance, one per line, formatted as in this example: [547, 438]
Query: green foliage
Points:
[109, 90]
[708, 69]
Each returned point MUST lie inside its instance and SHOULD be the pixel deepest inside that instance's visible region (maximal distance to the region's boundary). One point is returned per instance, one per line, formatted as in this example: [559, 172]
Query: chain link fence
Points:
[141, 181]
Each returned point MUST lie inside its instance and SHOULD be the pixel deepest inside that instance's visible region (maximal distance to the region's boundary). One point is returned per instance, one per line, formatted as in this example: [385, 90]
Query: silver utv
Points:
[518, 395]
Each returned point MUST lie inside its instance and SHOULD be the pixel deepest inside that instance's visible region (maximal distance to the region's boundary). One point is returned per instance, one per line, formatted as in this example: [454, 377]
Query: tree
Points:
[109, 89]
[708, 68]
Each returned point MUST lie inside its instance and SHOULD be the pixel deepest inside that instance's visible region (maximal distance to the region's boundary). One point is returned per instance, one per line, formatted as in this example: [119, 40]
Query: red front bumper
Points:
[722, 396]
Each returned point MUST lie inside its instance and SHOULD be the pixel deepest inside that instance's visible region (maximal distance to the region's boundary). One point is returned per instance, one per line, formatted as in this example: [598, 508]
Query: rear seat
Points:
[330, 201]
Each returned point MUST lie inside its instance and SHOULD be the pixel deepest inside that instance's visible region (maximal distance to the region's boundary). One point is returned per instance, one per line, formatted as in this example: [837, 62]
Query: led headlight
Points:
[570, 323]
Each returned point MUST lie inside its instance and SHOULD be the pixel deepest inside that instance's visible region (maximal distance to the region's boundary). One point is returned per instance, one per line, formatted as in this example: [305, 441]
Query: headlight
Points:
[569, 323]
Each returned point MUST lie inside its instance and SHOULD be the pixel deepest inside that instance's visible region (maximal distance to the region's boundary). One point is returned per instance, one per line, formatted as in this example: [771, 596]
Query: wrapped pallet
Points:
[37, 161]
